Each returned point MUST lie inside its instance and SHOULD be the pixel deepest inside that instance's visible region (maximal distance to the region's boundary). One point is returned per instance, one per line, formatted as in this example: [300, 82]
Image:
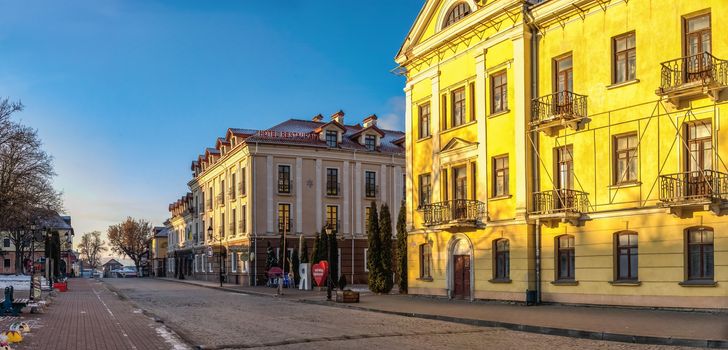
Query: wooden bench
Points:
[10, 305]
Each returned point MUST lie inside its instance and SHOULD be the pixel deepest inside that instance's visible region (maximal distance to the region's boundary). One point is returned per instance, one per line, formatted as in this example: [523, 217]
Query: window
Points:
[370, 142]
[244, 219]
[332, 138]
[425, 260]
[222, 225]
[445, 186]
[625, 157]
[332, 182]
[471, 98]
[425, 189]
[697, 35]
[366, 259]
[233, 228]
[243, 183]
[222, 192]
[565, 257]
[625, 58]
[234, 262]
[232, 187]
[370, 184]
[564, 79]
[498, 92]
[6, 242]
[443, 112]
[626, 256]
[204, 262]
[456, 13]
[284, 179]
[284, 217]
[6, 263]
[332, 217]
[700, 253]
[500, 176]
[424, 113]
[458, 107]
[502, 250]
[367, 218]
[195, 263]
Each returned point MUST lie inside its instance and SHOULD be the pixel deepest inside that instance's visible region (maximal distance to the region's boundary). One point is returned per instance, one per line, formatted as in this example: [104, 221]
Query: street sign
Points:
[209, 251]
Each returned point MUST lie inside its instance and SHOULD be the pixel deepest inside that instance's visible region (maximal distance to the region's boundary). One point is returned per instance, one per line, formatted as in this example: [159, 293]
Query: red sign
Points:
[319, 272]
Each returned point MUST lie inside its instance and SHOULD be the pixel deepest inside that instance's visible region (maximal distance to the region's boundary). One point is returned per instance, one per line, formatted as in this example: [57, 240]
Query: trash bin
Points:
[530, 297]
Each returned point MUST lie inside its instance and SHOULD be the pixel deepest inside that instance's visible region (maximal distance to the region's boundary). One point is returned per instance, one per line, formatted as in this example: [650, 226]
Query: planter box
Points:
[347, 296]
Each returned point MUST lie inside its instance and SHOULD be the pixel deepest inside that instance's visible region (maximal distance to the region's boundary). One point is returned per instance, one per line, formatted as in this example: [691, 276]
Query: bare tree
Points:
[91, 247]
[27, 196]
[130, 238]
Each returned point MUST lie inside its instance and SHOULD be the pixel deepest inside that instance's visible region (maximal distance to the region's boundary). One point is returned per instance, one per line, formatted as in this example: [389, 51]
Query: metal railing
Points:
[560, 201]
[209, 204]
[220, 199]
[456, 210]
[231, 192]
[371, 191]
[241, 189]
[231, 228]
[560, 105]
[702, 67]
[242, 227]
[221, 230]
[333, 189]
[693, 185]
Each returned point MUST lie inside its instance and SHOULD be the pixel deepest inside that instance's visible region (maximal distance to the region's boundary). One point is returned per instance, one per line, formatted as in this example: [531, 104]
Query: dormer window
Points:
[456, 13]
[332, 138]
[370, 141]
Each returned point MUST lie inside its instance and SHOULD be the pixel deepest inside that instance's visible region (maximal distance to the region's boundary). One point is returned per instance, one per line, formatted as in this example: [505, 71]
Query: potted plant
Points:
[344, 295]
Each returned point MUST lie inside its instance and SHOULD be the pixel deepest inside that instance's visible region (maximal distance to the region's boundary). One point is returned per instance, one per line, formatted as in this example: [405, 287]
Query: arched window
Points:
[456, 13]
[565, 257]
[700, 253]
[626, 256]
[502, 252]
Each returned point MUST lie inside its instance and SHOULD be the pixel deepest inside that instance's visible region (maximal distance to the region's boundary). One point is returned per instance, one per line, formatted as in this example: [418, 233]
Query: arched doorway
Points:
[461, 269]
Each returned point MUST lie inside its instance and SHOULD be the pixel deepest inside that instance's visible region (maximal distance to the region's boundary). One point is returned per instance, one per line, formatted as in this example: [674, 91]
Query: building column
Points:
[481, 84]
[357, 196]
[299, 195]
[269, 190]
[435, 120]
[346, 213]
[319, 214]
[521, 56]
[409, 137]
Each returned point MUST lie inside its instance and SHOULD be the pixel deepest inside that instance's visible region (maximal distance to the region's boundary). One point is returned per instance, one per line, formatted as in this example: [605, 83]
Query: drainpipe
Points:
[534, 136]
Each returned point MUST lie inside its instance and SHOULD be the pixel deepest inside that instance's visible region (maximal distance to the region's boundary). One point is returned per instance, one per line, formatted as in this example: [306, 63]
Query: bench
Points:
[10, 305]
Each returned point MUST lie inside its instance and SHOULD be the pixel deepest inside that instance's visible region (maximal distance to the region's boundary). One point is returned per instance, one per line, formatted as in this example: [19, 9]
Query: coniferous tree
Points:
[296, 263]
[402, 249]
[270, 260]
[374, 261]
[304, 253]
[385, 233]
[334, 263]
[323, 252]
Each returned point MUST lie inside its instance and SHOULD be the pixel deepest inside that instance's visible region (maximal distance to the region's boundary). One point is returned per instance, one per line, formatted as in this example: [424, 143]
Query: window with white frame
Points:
[195, 264]
[234, 262]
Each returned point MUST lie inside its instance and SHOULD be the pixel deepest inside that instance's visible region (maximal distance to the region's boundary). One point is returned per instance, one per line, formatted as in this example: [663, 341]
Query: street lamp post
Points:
[329, 283]
[211, 238]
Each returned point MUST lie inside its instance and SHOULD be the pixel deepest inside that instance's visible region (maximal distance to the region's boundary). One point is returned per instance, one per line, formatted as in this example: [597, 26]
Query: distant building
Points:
[110, 266]
[294, 178]
[158, 251]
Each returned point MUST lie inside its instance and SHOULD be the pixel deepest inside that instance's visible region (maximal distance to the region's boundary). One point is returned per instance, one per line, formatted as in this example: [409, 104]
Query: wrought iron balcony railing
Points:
[221, 230]
[564, 105]
[231, 228]
[701, 68]
[231, 193]
[242, 227]
[209, 204]
[453, 211]
[686, 187]
[560, 201]
[220, 199]
[371, 191]
[241, 189]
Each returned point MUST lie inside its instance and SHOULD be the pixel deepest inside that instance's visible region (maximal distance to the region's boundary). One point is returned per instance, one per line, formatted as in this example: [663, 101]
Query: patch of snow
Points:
[172, 339]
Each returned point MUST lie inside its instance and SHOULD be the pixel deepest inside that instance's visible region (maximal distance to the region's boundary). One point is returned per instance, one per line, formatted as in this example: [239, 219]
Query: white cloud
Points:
[393, 118]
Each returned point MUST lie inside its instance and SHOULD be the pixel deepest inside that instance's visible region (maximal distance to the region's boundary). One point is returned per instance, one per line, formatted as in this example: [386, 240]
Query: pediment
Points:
[458, 144]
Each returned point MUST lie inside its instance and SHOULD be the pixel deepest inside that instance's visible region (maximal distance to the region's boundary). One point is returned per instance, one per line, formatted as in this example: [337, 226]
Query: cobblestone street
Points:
[216, 319]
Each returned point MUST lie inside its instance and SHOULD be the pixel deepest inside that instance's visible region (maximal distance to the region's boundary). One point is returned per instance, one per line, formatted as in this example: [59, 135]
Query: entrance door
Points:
[564, 84]
[697, 44]
[699, 159]
[461, 277]
[565, 177]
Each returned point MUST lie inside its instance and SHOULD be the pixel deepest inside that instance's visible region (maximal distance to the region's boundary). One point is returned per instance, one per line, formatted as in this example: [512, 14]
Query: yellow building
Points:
[569, 148]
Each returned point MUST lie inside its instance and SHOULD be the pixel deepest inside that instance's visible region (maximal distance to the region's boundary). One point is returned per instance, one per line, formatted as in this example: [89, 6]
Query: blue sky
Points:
[125, 93]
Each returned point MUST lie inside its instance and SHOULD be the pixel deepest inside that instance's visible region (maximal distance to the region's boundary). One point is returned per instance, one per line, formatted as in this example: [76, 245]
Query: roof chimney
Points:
[338, 117]
[318, 117]
[370, 121]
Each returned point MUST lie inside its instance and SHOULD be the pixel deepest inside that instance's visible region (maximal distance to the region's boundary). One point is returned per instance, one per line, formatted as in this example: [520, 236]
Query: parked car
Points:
[126, 271]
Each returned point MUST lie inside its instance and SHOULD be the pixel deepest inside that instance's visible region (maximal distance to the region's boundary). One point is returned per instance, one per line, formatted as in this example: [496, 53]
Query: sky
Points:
[126, 93]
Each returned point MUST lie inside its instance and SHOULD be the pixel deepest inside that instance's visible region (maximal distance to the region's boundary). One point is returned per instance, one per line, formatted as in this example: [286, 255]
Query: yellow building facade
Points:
[568, 148]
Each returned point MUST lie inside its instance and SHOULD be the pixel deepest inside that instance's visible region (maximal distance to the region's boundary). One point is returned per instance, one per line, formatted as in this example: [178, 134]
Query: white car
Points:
[126, 271]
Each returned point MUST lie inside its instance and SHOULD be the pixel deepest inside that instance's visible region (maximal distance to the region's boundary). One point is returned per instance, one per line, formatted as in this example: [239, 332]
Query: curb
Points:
[571, 333]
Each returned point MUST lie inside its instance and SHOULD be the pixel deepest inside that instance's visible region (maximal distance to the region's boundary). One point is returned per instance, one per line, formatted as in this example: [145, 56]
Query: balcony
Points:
[333, 189]
[242, 227]
[562, 205]
[454, 213]
[241, 189]
[551, 112]
[694, 190]
[231, 193]
[221, 231]
[692, 76]
[220, 199]
[231, 228]
[209, 204]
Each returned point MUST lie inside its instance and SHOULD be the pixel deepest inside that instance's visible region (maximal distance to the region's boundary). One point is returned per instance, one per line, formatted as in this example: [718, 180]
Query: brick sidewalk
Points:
[90, 316]
[706, 329]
